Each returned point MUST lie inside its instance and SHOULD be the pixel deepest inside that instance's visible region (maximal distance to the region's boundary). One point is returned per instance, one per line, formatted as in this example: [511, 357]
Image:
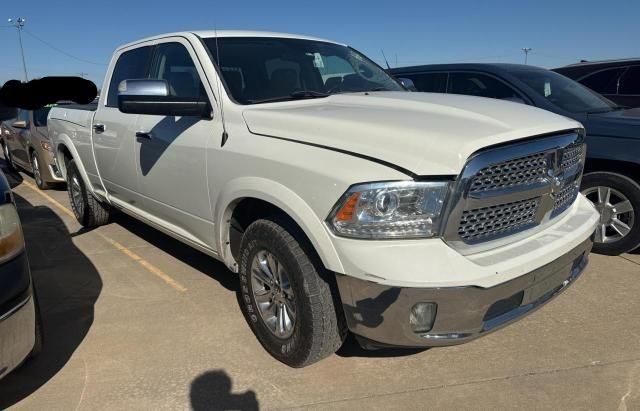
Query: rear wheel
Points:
[617, 199]
[88, 210]
[287, 297]
[37, 172]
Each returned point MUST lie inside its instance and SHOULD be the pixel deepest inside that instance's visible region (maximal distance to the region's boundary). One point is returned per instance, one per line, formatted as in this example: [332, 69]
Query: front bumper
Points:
[380, 313]
[17, 333]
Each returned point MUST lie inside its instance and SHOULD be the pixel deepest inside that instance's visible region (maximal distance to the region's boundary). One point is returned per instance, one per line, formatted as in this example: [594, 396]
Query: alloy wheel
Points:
[36, 169]
[272, 294]
[616, 213]
[76, 195]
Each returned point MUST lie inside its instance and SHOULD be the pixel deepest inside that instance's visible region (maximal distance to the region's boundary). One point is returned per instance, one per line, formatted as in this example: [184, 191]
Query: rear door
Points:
[172, 155]
[114, 138]
[18, 138]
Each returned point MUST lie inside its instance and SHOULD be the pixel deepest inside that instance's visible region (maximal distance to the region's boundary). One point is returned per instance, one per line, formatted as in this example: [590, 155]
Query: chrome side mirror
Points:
[408, 84]
[149, 96]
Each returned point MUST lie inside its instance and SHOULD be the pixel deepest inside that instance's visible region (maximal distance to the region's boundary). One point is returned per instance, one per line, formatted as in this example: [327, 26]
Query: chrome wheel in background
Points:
[36, 170]
[273, 294]
[76, 195]
[616, 213]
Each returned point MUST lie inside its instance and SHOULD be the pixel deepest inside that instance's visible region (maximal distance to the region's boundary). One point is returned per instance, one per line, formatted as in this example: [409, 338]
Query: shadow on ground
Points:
[67, 286]
[188, 255]
[212, 391]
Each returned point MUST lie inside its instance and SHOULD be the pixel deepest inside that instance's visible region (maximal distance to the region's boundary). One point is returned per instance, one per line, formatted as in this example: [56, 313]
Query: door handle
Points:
[144, 134]
[98, 128]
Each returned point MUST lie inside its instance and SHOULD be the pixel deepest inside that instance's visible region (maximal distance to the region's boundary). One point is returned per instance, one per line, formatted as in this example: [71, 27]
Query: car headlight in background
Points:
[406, 209]
[11, 238]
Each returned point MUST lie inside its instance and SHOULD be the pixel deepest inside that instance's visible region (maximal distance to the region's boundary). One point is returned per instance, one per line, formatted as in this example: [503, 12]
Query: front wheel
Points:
[617, 199]
[88, 210]
[287, 297]
[7, 156]
[37, 172]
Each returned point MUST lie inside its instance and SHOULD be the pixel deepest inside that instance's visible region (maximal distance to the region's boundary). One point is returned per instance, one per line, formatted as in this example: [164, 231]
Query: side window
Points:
[630, 81]
[174, 64]
[480, 85]
[428, 82]
[605, 81]
[131, 64]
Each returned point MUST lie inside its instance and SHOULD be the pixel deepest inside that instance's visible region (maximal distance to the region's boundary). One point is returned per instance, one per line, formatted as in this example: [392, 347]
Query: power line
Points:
[62, 51]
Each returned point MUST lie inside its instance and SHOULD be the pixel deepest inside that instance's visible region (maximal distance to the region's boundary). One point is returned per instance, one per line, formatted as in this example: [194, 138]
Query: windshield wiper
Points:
[296, 95]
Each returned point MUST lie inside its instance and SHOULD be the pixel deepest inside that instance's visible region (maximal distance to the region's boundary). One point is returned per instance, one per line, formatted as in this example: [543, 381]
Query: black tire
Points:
[88, 210]
[36, 165]
[7, 156]
[631, 190]
[318, 330]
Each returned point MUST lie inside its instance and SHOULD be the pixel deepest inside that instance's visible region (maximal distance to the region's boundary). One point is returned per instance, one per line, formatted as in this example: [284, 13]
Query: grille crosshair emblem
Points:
[554, 173]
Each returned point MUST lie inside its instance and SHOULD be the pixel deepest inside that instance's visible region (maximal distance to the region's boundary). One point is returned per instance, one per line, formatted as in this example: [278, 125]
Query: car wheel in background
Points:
[88, 210]
[7, 156]
[617, 199]
[37, 172]
[286, 296]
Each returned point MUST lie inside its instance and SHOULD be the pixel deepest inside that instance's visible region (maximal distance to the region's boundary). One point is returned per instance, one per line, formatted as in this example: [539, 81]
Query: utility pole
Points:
[19, 25]
[526, 50]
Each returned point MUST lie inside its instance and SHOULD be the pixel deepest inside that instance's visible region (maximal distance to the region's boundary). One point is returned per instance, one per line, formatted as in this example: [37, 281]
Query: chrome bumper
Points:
[380, 314]
[17, 334]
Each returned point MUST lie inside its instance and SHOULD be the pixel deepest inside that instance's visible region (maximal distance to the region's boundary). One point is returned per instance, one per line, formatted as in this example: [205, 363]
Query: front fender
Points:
[281, 197]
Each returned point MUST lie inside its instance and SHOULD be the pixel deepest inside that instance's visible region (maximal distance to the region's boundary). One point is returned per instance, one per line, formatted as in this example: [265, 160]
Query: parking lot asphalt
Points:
[136, 320]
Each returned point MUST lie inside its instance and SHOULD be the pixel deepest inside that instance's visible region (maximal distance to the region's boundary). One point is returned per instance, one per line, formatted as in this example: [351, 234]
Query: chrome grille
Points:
[520, 171]
[489, 221]
[506, 191]
[571, 156]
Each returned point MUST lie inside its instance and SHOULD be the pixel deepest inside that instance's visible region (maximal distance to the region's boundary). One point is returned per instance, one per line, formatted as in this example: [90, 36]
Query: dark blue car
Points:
[612, 170]
[20, 335]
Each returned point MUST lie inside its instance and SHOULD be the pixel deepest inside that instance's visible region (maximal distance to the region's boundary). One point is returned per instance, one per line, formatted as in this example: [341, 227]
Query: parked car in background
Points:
[341, 200]
[20, 333]
[617, 80]
[612, 170]
[26, 144]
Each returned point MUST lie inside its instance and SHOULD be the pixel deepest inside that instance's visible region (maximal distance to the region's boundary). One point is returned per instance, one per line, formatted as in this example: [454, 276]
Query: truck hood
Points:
[423, 133]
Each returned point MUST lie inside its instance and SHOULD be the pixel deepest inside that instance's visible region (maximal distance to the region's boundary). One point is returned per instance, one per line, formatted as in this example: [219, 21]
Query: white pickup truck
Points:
[342, 201]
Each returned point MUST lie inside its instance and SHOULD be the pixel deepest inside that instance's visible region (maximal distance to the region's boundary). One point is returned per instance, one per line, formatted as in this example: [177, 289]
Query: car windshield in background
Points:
[564, 92]
[258, 70]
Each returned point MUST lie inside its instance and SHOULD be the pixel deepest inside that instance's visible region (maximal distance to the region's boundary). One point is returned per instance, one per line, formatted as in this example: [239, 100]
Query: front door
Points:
[172, 151]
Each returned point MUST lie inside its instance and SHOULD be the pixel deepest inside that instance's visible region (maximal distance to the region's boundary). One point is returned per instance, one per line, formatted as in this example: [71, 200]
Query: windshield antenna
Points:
[385, 59]
[225, 135]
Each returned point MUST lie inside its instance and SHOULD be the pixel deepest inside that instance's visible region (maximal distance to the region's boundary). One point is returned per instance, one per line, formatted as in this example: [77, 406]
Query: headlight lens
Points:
[11, 239]
[404, 209]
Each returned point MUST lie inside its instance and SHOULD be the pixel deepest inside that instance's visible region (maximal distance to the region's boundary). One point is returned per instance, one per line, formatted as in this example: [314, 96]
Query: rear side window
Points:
[481, 85]
[605, 81]
[428, 82]
[630, 81]
[174, 64]
[130, 65]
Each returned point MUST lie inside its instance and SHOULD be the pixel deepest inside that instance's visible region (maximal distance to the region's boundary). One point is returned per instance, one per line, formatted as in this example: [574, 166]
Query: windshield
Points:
[564, 92]
[258, 70]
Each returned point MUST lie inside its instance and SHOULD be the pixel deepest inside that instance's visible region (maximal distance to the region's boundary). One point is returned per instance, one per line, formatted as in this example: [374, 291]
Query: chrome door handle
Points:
[98, 128]
[144, 134]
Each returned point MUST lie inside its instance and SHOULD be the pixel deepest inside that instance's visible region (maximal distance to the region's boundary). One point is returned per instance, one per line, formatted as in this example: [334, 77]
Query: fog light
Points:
[422, 317]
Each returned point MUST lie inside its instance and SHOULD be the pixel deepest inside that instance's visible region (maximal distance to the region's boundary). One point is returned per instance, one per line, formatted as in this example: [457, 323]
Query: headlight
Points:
[404, 209]
[11, 239]
[46, 145]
